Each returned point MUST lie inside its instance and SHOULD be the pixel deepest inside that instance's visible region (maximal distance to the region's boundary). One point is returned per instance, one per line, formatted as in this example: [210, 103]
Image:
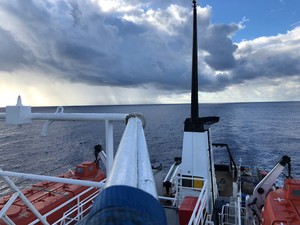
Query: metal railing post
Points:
[109, 146]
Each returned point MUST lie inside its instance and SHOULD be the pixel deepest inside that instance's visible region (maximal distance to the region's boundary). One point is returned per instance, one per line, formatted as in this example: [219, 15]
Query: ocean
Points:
[258, 134]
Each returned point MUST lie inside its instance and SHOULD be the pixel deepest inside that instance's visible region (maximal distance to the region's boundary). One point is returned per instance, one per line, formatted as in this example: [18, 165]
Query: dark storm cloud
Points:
[11, 54]
[77, 41]
[217, 42]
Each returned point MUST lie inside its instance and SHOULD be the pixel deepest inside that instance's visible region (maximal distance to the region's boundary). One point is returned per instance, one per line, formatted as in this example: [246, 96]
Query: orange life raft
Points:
[46, 196]
[282, 206]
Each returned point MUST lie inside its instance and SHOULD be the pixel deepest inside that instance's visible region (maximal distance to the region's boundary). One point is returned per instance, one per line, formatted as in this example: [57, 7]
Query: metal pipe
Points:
[8, 204]
[124, 169]
[145, 176]
[132, 165]
[78, 116]
[52, 179]
[109, 146]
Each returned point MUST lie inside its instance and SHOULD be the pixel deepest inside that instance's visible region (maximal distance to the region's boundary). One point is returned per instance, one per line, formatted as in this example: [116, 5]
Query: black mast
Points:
[196, 124]
[194, 97]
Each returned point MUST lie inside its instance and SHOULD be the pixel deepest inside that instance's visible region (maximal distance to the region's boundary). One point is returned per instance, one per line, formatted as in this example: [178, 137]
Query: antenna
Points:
[196, 124]
[193, 123]
[194, 94]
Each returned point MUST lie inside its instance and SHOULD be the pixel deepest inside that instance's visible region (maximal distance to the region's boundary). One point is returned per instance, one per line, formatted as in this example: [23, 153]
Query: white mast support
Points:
[132, 165]
[51, 179]
[24, 199]
[20, 115]
[196, 161]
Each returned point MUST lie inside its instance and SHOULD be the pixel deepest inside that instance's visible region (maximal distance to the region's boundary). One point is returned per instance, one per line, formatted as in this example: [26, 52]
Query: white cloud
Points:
[135, 52]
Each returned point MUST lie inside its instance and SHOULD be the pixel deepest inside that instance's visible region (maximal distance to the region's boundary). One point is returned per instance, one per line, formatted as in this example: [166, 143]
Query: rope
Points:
[138, 115]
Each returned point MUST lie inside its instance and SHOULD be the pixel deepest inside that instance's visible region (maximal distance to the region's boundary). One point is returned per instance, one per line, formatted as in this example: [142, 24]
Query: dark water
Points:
[257, 133]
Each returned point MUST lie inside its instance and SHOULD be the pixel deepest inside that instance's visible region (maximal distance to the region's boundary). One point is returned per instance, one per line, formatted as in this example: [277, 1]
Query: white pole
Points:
[109, 146]
[124, 170]
[145, 176]
[78, 116]
[8, 204]
[132, 165]
[52, 179]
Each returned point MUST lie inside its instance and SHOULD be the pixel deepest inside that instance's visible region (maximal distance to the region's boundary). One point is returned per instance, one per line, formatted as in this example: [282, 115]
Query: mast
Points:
[196, 124]
[197, 155]
[194, 91]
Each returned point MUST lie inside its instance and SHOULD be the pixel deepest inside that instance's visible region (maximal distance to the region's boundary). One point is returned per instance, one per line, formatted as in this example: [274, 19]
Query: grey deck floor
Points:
[172, 216]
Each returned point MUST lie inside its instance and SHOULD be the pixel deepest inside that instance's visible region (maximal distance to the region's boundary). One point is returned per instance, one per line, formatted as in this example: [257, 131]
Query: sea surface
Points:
[259, 134]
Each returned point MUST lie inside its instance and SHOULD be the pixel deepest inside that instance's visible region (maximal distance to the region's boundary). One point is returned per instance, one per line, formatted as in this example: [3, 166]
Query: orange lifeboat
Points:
[282, 207]
[46, 196]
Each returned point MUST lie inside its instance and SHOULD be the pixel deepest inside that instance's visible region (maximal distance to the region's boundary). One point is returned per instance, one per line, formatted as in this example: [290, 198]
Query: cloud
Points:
[273, 58]
[269, 57]
[128, 44]
[79, 42]
[11, 53]
[218, 44]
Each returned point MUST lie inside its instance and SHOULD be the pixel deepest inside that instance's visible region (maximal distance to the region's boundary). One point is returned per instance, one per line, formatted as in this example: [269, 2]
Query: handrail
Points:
[233, 215]
[18, 193]
[79, 208]
[53, 179]
[172, 172]
[198, 213]
[168, 176]
[79, 204]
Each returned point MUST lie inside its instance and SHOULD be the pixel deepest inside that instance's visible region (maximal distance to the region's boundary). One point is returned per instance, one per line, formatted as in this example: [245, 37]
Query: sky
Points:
[93, 52]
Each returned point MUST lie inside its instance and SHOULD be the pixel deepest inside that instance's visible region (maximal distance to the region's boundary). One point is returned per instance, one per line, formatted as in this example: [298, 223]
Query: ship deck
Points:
[224, 181]
[172, 216]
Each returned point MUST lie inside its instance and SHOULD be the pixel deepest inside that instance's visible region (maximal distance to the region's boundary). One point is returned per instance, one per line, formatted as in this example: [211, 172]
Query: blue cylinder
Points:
[124, 205]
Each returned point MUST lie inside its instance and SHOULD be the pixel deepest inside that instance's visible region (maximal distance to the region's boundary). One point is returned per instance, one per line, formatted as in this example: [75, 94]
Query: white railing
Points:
[79, 208]
[235, 215]
[17, 194]
[172, 173]
[51, 179]
[199, 214]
